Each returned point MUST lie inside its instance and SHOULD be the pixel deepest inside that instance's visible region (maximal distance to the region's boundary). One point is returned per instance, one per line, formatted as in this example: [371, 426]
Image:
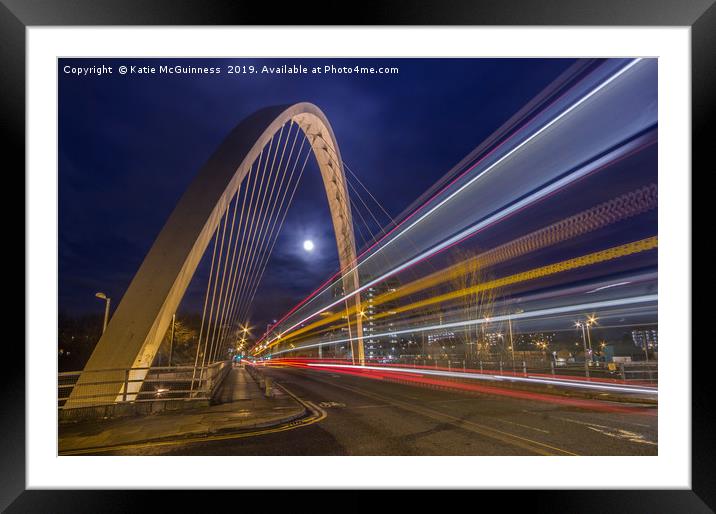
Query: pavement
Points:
[242, 407]
[363, 416]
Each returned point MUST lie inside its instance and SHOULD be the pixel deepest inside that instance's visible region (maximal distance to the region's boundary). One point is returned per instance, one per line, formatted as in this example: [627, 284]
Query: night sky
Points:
[130, 145]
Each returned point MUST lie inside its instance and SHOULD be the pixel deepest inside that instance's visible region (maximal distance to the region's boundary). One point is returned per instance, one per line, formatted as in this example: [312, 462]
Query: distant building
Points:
[378, 319]
[533, 340]
[646, 338]
[441, 337]
[494, 340]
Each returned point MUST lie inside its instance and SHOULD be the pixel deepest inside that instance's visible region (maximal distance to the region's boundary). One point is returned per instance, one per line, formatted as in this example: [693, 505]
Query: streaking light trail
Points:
[559, 382]
[534, 198]
[523, 315]
[608, 287]
[585, 260]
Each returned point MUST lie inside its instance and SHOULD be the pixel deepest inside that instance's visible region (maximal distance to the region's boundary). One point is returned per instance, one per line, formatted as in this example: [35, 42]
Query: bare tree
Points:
[183, 347]
[470, 276]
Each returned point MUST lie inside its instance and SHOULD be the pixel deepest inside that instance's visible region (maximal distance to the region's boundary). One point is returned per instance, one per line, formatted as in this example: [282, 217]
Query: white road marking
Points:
[328, 405]
[618, 433]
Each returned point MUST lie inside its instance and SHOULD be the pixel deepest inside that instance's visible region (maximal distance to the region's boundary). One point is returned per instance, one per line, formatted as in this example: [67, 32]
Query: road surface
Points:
[359, 416]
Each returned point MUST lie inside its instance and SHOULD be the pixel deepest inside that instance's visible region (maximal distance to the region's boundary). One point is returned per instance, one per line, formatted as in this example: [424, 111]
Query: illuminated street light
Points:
[512, 344]
[591, 320]
[581, 325]
[106, 299]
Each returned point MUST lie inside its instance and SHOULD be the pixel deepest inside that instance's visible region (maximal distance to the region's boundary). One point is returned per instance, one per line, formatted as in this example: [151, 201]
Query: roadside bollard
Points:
[551, 365]
[524, 367]
[268, 384]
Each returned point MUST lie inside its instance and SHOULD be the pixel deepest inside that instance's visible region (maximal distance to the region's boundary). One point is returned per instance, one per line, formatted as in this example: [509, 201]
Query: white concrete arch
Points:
[137, 327]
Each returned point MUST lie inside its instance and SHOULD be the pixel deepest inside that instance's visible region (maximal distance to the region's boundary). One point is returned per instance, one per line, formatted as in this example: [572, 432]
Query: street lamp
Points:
[106, 299]
[591, 320]
[581, 325]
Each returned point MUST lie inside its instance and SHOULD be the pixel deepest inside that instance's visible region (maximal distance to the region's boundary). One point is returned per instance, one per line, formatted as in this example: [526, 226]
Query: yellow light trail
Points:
[559, 267]
[570, 264]
[599, 216]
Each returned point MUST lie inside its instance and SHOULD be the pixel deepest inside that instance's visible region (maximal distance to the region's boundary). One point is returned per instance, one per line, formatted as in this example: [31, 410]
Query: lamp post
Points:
[512, 343]
[106, 299]
[591, 320]
[580, 324]
[171, 340]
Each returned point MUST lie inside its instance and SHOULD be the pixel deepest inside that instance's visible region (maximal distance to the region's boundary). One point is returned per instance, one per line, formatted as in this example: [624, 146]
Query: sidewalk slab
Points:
[243, 407]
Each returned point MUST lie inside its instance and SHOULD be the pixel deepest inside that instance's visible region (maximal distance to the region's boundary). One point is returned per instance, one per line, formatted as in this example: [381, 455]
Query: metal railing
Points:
[104, 387]
[647, 372]
[636, 372]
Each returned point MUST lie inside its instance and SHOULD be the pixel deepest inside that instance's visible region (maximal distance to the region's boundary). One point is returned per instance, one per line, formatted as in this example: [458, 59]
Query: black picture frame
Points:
[17, 15]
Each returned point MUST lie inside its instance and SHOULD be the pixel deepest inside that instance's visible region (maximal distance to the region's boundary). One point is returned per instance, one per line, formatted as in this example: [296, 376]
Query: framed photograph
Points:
[425, 247]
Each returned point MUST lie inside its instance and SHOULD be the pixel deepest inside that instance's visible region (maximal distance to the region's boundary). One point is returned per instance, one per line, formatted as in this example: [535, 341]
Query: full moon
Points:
[308, 245]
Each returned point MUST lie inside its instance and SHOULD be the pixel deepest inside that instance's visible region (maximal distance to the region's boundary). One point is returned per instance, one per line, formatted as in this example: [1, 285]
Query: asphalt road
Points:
[359, 416]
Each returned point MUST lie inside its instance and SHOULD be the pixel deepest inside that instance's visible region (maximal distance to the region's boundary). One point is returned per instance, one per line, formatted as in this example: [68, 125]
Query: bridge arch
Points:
[135, 332]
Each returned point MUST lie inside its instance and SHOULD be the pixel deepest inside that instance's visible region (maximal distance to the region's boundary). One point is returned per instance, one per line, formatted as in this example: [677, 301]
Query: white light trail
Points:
[559, 382]
[607, 287]
[522, 315]
[501, 159]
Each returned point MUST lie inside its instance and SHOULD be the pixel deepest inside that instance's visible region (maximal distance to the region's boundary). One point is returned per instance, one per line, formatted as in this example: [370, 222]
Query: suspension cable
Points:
[203, 315]
[285, 212]
[233, 306]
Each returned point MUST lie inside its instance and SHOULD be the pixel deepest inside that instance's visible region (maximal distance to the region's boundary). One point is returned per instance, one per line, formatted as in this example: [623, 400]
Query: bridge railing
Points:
[139, 385]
